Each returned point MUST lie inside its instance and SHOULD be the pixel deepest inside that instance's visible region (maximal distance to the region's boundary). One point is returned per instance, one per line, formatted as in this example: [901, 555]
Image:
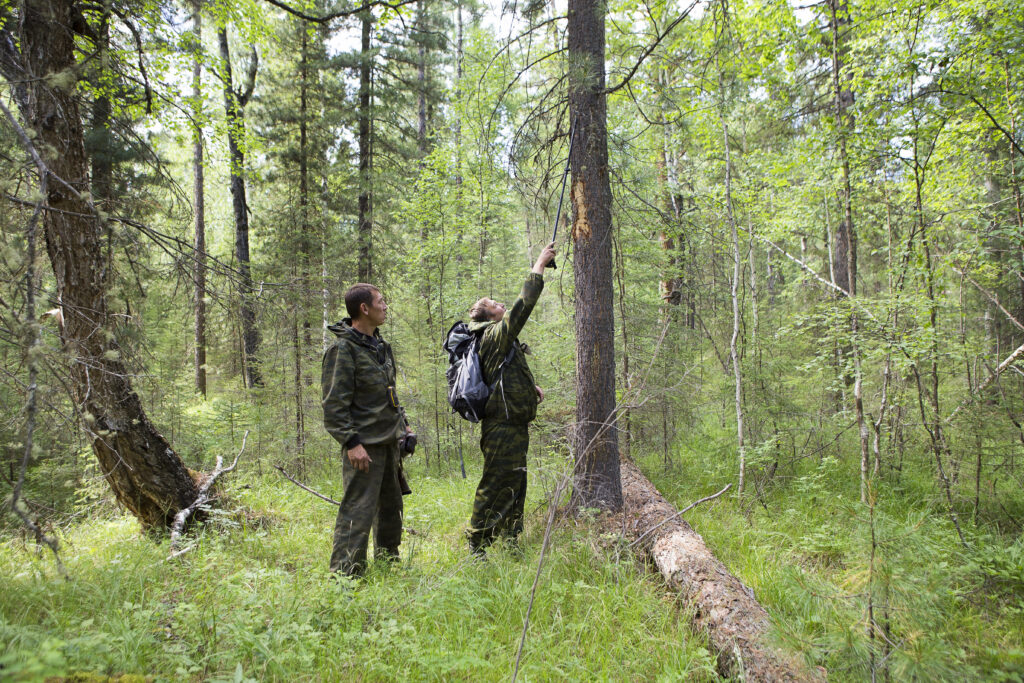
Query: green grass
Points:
[952, 612]
[256, 602]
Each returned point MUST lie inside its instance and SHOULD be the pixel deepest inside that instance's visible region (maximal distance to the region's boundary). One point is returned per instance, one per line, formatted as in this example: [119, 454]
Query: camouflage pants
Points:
[372, 501]
[501, 495]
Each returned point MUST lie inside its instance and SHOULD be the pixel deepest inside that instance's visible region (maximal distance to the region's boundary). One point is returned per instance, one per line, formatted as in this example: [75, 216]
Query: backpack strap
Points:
[501, 368]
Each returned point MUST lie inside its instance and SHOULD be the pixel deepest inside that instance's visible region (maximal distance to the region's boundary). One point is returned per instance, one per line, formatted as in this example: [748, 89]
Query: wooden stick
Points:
[680, 513]
[306, 488]
[204, 490]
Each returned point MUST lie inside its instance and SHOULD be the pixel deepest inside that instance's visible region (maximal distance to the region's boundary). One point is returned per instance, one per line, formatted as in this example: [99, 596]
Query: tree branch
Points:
[327, 18]
[680, 513]
[650, 48]
[204, 490]
[984, 109]
[305, 488]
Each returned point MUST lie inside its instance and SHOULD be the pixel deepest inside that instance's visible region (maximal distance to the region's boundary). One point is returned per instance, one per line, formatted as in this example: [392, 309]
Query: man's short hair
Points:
[358, 294]
[478, 311]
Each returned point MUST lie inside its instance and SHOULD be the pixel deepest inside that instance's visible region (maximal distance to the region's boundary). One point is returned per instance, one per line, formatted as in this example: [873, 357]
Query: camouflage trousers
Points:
[372, 501]
[501, 495]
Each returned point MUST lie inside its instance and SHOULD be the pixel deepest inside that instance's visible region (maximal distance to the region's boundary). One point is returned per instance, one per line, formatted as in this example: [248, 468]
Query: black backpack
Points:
[468, 391]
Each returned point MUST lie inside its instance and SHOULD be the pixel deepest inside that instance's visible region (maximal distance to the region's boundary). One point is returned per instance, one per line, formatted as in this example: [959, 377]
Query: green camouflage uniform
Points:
[504, 433]
[357, 382]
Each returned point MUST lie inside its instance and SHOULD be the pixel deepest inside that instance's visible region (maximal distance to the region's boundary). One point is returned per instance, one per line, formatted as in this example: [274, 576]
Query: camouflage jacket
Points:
[514, 398]
[358, 389]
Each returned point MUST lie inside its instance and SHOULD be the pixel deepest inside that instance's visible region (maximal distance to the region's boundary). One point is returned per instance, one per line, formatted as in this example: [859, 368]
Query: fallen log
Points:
[736, 624]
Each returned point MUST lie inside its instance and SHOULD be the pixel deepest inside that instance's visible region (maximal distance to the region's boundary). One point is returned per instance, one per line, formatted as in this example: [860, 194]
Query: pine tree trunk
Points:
[736, 624]
[145, 473]
[365, 153]
[421, 76]
[199, 205]
[596, 480]
[234, 105]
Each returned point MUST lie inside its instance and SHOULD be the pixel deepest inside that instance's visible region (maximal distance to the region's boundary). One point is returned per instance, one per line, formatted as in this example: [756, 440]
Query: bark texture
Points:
[596, 480]
[736, 624]
[365, 151]
[145, 473]
[234, 106]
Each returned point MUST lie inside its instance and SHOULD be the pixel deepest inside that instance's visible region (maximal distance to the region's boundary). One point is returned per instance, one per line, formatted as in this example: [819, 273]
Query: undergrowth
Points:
[942, 610]
[254, 601]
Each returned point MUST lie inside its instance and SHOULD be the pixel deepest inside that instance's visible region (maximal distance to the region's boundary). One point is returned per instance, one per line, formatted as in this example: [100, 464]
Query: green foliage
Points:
[257, 601]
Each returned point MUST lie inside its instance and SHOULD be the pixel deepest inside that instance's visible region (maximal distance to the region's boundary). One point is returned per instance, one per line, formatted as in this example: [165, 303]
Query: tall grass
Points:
[254, 601]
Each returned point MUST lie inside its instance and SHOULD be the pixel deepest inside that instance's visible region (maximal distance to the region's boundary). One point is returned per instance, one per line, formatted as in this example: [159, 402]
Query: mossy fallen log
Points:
[736, 624]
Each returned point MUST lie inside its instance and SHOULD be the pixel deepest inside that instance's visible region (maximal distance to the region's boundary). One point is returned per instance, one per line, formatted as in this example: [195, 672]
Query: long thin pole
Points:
[561, 196]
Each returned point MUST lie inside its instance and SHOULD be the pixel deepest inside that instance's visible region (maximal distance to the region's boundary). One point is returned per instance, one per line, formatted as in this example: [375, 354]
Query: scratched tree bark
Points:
[596, 480]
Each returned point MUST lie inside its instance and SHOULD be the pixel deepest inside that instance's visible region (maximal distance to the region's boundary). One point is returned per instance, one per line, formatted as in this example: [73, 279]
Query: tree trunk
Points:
[736, 624]
[234, 106]
[199, 208]
[737, 283]
[365, 153]
[846, 236]
[596, 478]
[421, 76]
[670, 285]
[145, 473]
[845, 256]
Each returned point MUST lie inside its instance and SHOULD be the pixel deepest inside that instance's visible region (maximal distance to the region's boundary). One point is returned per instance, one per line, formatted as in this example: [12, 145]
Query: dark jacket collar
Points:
[344, 329]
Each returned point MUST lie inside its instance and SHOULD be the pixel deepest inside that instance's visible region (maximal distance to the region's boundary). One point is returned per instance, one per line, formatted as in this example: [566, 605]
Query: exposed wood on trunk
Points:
[596, 479]
[736, 624]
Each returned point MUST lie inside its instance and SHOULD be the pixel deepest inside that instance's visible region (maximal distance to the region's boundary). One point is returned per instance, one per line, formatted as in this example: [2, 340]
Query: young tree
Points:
[198, 201]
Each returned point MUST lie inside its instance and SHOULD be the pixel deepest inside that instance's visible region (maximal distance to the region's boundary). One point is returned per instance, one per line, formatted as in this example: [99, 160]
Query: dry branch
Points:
[304, 487]
[204, 495]
[406, 529]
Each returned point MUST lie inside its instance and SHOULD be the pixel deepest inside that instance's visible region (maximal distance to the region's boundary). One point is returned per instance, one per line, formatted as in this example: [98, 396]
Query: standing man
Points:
[362, 412]
[504, 433]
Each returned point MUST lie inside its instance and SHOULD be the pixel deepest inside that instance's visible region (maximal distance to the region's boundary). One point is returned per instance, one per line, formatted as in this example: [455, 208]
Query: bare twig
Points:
[30, 403]
[650, 48]
[327, 18]
[679, 514]
[552, 508]
[306, 488]
[1002, 367]
[204, 491]
[406, 529]
[992, 297]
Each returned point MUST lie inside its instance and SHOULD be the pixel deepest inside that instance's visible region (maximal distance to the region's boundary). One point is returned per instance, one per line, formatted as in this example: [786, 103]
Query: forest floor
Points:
[253, 600]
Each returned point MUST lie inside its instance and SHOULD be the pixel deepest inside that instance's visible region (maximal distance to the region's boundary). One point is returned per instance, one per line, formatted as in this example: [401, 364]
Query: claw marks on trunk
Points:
[580, 225]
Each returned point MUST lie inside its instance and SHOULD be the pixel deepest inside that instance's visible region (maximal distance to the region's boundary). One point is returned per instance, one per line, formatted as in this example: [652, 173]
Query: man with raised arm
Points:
[362, 412]
[504, 433]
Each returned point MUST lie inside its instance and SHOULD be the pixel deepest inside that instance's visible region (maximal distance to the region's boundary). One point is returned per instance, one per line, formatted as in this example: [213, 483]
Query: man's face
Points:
[495, 310]
[376, 312]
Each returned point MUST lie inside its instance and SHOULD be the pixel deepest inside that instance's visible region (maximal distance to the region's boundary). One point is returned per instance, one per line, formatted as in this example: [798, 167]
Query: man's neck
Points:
[365, 326]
